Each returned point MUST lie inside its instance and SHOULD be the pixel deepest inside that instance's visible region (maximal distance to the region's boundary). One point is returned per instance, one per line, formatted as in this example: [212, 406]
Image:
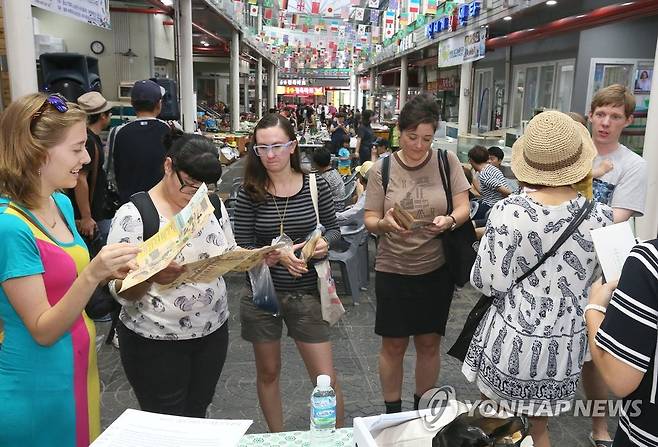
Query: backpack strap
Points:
[148, 212]
[217, 204]
[386, 172]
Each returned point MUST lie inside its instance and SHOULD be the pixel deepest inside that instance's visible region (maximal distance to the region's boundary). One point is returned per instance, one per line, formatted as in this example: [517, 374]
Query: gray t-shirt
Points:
[626, 185]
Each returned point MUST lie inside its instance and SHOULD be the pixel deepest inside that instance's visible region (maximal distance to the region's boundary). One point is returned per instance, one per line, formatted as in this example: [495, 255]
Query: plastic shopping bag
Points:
[262, 287]
[332, 308]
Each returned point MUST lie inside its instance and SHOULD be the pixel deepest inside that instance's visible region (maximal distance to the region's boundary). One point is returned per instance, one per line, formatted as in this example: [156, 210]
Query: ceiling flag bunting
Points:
[315, 7]
[253, 10]
[363, 29]
[267, 13]
[430, 7]
[358, 13]
[253, 2]
[414, 6]
[373, 4]
[374, 16]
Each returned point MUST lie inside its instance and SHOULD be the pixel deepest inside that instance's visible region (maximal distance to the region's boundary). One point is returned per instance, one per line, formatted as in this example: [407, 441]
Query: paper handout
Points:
[613, 244]
[136, 428]
[158, 252]
[407, 220]
[207, 270]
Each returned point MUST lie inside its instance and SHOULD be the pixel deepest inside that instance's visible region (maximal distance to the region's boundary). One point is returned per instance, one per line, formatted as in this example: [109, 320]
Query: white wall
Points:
[128, 31]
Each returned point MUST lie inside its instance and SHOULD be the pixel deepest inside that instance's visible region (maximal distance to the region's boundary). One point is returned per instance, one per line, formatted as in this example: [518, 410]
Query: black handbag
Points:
[460, 347]
[458, 243]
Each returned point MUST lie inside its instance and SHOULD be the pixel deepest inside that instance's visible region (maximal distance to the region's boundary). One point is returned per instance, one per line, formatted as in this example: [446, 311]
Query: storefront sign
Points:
[443, 84]
[452, 22]
[302, 81]
[407, 43]
[465, 48]
[93, 12]
[300, 91]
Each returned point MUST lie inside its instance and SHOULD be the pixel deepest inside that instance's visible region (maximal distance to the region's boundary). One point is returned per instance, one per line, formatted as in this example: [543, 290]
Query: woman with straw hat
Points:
[529, 347]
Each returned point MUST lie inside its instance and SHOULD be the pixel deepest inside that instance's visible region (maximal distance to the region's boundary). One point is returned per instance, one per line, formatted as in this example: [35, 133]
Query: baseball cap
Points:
[147, 90]
[93, 103]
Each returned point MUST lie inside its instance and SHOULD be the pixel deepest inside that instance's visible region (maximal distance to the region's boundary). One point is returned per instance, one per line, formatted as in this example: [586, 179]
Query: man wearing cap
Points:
[136, 148]
[88, 196]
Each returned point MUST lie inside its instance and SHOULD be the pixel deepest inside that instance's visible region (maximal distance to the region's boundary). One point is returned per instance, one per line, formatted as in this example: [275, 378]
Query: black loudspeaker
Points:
[70, 74]
[170, 109]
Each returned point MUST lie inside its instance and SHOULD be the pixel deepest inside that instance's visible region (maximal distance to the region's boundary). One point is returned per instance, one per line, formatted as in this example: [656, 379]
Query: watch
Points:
[97, 47]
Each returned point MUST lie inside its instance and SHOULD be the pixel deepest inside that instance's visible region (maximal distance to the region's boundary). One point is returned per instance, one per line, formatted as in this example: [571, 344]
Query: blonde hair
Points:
[25, 141]
[614, 95]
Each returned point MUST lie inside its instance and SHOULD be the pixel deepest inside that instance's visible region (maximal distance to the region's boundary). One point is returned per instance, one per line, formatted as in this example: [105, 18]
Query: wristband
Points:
[595, 307]
[454, 222]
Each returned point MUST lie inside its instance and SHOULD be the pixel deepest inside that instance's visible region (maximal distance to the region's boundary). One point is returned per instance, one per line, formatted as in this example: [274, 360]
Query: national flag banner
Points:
[359, 13]
[375, 31]
[253, 10]
[315, 7]
[267, 13]
[283, 5]
[374, 16]
[414, 6]
[341, 32]
[373, 4]
[362, 30]
[393, 4]
[304, 28]
[430, 7]
[389, 17]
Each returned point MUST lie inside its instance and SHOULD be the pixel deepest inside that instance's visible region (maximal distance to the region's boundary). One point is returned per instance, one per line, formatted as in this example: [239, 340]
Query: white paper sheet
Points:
[613, 244]
[136, 428]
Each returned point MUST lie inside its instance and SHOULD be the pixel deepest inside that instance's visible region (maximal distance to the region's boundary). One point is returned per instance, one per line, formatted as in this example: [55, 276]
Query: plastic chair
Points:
[350, 188]
[353, 263]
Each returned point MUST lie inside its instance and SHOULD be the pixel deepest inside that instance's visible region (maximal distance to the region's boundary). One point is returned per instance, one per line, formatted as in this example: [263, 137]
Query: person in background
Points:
[380, 149]
[89, 193]
[619, 180]
[365, 137]
[622, 327]
[345, 158]
[322, 160]
[136, 150]
[49, 385]
[353, 216]
[338, 130]
[174, 340]
[496, 156]
[275, 199]
[533, 337]
[413, 287]
[332, 110]
[492, 184]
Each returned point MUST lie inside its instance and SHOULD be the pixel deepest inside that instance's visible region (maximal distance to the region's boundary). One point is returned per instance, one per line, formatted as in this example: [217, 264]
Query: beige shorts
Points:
[301, 312]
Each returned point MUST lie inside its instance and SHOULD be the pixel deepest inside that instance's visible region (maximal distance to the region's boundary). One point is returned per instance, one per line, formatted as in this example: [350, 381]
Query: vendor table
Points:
[343, 437]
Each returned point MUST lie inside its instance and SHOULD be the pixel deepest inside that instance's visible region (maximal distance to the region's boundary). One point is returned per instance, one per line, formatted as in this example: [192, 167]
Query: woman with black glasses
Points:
[173, 341]
[275, 199]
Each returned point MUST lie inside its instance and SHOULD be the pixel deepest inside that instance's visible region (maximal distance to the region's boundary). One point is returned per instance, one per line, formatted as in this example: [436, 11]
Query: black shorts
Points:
[413, 304]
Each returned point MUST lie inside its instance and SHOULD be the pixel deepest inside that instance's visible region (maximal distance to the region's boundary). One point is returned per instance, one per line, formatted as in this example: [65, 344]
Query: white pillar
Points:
[353, 89]
[259, 87]
[647, 226]
[404, 81]
[234, 81]
[271, 90]
[246, 94]
[185, 64]
[373, 81]
[465, 97]
[21, 56]
[276, 83]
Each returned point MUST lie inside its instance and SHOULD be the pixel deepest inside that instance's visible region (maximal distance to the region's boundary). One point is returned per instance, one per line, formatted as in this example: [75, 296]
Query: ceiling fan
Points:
[129, 53]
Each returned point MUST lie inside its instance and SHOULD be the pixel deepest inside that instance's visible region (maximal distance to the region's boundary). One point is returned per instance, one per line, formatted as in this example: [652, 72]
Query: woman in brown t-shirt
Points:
[413, 287]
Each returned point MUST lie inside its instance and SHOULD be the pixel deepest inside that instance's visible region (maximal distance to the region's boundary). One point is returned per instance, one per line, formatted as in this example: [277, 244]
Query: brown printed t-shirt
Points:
[419, 191]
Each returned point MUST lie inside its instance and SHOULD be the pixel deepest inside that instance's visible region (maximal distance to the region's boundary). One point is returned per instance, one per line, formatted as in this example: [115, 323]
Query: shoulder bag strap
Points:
[444, 170]
[214, 199]
[313, 186]
[94, 173]
[386, 172]
[148, 212]
[575, 223]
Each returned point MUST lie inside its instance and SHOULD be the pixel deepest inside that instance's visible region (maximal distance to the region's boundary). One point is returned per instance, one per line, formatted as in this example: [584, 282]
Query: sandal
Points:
[598, 442]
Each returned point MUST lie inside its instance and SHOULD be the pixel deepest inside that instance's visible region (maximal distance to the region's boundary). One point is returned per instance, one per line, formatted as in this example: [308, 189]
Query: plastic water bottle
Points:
[323, 412]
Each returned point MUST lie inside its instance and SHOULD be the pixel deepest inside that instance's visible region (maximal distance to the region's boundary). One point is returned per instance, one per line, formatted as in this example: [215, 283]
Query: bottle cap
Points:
[324, 381]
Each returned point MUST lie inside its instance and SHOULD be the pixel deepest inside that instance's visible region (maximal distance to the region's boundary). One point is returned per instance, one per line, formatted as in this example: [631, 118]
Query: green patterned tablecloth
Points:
[343, 437]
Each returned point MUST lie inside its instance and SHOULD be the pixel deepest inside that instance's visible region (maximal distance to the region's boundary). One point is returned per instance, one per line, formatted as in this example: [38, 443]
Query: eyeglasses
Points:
[56, 100]
[186, 188]
[263, 149]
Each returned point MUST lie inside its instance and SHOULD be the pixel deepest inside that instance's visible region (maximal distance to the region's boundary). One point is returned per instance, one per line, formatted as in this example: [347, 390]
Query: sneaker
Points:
[115, 341]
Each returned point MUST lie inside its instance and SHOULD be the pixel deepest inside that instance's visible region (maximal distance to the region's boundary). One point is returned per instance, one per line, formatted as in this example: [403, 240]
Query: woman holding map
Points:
[173, 341]
[413, 287]
[275, 200]
[49, 387]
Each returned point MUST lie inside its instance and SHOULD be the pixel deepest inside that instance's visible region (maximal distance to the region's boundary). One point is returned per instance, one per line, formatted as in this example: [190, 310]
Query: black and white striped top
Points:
[491, 178]
[256, 224]
[629, 332]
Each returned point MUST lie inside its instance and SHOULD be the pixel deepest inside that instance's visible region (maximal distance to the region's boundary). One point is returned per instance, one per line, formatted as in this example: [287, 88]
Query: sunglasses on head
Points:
[56, 100]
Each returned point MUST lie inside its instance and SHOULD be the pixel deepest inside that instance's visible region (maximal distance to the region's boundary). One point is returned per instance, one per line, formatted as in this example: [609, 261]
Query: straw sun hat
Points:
[554, 151]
